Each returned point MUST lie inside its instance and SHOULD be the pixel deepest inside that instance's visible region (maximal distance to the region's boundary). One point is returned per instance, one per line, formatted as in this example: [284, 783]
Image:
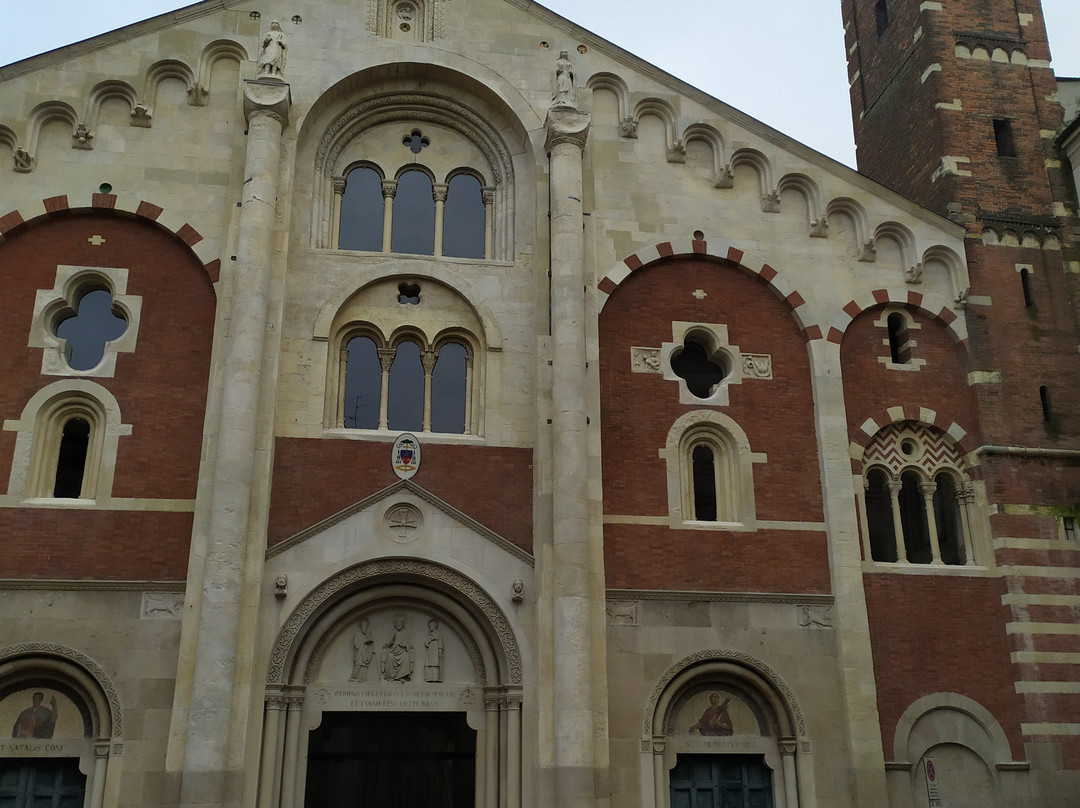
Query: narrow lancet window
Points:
[363, 385]
[879, 517]
[71, 459]
[414, 215]
[405, 411]
[703, 463]
[898, 338]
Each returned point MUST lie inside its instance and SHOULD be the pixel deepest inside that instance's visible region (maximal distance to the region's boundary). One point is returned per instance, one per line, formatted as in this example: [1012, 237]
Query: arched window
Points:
[449, 389]
[463, 230]
[363, 384]
[405, 407]
[703, 472]
[89, 328]
[414, 215]
[362, 211]
[914, 484]
[697, 367]
[879, 517]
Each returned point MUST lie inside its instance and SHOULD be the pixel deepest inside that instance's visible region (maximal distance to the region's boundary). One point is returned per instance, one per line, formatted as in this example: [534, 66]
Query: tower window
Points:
[89, 330]
[704, 473]
[1003, 136]
[362, 211]
[881, 15]
[898, 338]
[1044, 399]
[1025, 283]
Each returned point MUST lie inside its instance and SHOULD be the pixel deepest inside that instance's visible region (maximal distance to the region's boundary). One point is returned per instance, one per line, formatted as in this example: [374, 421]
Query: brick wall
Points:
[161, 390]
[314, 479]
[639, 409]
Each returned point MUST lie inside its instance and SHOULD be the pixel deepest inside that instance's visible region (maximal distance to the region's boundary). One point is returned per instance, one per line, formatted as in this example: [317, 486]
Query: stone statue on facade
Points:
[272, 53]
[363, 652]
[563, 92]
[397, 654]
[433, 653]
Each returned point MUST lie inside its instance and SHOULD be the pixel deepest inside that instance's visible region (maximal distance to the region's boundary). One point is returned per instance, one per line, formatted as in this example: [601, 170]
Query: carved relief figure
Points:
[36, 721]
[274, 49]
[405, 14]
[715, 720]
[433, 654]
[563, 93]
[363, 652]
[397, 654]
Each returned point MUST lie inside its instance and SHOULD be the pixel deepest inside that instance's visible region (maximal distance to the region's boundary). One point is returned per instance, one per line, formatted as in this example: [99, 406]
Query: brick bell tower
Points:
[954, 106]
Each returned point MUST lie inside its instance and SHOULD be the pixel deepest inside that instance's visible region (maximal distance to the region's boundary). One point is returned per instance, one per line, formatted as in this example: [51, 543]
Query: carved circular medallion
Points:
[403, 522]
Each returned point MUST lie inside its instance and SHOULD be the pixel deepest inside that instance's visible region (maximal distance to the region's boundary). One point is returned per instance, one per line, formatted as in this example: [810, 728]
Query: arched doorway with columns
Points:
[400, 676]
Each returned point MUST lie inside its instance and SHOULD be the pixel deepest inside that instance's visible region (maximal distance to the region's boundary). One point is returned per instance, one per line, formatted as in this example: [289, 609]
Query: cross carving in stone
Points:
[96, 240]
[700, 294]
[402, 522]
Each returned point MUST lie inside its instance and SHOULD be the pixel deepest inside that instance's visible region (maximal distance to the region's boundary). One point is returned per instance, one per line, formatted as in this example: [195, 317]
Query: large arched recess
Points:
[461, 96]
[155, 268]
[751, 318]
[303, 686]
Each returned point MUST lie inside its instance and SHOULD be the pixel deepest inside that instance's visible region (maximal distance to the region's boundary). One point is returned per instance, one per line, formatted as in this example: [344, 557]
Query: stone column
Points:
[791, 785]
[213, 774]
[439, 191]
[290, 757]
[389, 191]
[513, 749]
[386, 360]
[928, 490]
[572, 573]
[488, 195]
[428, 360]
[101, 767]
[335, 212]
[895, 486]
[271, 748]
[965, 496]
[491, 749]
[660, 785]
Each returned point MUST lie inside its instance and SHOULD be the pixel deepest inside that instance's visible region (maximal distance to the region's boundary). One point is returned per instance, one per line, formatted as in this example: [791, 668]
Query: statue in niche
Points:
[363, 651]
[405, 14]
[715, 720]
[433, 654]
[272, 54]
[563, 93]
[397, 657]
[37, 721]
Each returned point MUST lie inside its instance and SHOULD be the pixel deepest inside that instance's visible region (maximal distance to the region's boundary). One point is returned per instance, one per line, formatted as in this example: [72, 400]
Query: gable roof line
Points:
[416, 490]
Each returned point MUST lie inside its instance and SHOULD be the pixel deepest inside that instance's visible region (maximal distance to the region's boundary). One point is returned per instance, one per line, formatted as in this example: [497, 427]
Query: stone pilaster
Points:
[212, 775]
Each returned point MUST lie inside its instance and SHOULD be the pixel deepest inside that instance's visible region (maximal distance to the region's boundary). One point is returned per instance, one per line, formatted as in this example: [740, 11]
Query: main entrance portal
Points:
[391, 760]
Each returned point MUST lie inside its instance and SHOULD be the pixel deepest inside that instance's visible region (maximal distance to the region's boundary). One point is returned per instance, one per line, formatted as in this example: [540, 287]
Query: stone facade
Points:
[470, 413]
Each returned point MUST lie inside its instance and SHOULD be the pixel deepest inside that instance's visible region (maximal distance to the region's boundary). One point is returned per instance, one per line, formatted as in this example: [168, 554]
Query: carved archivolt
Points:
[419, 108]
[291, 633]
[38, 651]
[720, 655]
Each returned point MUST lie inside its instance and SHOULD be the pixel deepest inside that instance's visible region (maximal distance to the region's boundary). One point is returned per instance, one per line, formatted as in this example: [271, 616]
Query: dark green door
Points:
[41, 783]
[721, 781]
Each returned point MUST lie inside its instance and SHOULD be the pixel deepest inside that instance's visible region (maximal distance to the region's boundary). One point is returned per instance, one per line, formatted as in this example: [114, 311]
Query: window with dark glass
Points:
[463, 229]
[362, 211]
[413, 228]
[71, 459]
[90, 328]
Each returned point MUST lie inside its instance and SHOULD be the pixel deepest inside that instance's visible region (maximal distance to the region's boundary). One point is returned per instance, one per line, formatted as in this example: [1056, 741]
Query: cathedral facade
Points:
[541, 431]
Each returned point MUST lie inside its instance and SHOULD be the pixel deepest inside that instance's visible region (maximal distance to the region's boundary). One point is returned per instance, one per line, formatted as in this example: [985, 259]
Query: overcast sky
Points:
[781, 61]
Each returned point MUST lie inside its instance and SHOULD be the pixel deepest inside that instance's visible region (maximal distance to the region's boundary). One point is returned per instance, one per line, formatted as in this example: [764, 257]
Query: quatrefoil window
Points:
[693, 365]
[85, 321]
[88, 327]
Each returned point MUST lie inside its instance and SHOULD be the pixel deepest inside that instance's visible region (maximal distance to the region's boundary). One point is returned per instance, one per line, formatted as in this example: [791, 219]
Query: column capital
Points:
[386, 358]
[389, 189]
[567, 126]
[428, 360]
[438, 190]
[928, 488]
[268, 97]
[339, 185]
[895, 487]
[488, 195]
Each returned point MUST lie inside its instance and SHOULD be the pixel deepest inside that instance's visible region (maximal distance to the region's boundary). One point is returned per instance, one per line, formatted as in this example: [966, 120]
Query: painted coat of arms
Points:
[406, 455]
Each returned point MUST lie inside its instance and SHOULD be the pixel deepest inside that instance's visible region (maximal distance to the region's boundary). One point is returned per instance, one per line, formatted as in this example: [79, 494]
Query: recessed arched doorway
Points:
[394, 683]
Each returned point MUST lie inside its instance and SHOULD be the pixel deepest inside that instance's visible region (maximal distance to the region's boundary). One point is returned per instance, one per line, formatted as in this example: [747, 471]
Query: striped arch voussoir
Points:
[724, 251]
[866, 431]
[914, 300]
[142, 209]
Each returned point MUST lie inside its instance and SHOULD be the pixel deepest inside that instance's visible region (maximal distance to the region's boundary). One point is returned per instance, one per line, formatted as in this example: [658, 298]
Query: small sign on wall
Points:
[933, 793]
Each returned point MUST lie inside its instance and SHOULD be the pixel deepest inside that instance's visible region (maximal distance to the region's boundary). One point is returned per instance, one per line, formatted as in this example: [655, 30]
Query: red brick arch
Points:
[9, 222]
[911, 299]
[772, 277]
[876, 421]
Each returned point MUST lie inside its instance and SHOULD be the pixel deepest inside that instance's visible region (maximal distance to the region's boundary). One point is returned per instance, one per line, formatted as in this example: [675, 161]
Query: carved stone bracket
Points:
[868, 252]
[677, 153]
[141, 116]
[819, 227]
[267, 97]
[770, 203]
[565, 125]
[726, 178]
[628, 127]
[913, 274]
[198, 96]
[82, 138]
[24, 163]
